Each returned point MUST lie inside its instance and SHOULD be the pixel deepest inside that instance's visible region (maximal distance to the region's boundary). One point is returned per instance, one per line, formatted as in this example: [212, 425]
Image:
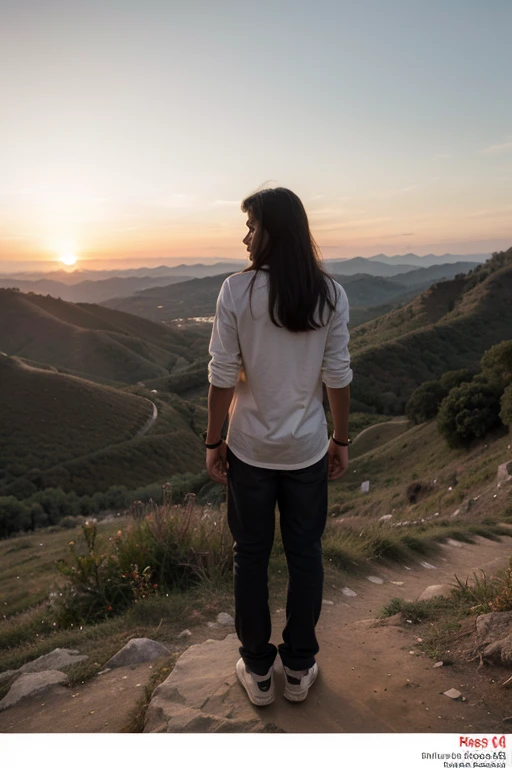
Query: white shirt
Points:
[276, 418]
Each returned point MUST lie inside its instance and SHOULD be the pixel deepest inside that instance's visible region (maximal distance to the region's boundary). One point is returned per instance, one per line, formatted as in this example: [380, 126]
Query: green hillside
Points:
[63, 430]
[198, 297]
[447, 327]
[90, 340]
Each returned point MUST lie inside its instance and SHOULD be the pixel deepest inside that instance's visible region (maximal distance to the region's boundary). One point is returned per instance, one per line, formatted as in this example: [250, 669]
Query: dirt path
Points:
[369, 681]
[149, 423]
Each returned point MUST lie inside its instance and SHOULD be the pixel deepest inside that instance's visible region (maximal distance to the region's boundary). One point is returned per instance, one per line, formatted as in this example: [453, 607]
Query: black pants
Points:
[301, 495]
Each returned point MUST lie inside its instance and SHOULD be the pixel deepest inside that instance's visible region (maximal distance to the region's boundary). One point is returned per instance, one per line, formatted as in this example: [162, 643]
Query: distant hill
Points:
[448, 326]
[430, 259]
[60, 430]
[91, 340]
[379, 266]
[91, 291]
[198, 297]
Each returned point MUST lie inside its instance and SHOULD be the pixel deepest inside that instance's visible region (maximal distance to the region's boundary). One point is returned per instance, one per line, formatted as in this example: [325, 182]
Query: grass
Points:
[443, 616]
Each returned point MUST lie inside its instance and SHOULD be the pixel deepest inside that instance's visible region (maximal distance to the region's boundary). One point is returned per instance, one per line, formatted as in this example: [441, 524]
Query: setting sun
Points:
[69, 259]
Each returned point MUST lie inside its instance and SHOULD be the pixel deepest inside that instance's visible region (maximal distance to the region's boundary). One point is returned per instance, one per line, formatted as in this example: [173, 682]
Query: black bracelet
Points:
[214, 445]
[338, 442]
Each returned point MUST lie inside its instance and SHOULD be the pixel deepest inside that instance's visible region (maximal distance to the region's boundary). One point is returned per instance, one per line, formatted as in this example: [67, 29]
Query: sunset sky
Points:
[130, 131]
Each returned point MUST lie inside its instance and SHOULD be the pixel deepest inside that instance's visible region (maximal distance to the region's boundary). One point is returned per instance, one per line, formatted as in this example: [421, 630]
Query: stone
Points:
[504, 473]
[349, 592]
[375, 579]
[10, 673]
[428, 566]
[185, 633]
[493, 626]
[225, 619]
[398, 583]
[60, 658]
[385, 517]
[31, 684]
[327, 602]
[500, 651]
[438, 664]
[203, 695]
[453, 693]
[136, 651]
[436, 590]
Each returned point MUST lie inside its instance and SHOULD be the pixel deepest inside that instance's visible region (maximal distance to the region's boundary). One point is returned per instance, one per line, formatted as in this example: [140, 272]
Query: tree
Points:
[424, 402]
[468, 412]
[497, 363]
[452, 379]
[506, 406]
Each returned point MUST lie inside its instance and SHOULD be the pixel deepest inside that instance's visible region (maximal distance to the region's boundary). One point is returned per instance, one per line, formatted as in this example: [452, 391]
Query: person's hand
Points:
[216, 464]
[338, 460]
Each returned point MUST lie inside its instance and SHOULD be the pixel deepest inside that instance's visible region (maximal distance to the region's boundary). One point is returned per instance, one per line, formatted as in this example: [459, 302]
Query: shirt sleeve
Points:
[224, 346]
[336, 370]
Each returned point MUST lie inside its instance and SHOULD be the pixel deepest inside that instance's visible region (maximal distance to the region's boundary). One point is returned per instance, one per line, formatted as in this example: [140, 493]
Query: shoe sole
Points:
[257, 702]
[290, 695]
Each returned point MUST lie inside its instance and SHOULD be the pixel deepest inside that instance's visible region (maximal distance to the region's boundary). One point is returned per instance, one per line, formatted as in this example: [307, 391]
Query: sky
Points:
[130, 132]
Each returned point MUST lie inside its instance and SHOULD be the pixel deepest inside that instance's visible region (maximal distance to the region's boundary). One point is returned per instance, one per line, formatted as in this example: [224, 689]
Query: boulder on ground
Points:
[436, 590]
[500, 651]
[60, 658]
[494, 636]
[31, 684]
[493, 626]
[137, 651]
[203, 694]
[504, 473]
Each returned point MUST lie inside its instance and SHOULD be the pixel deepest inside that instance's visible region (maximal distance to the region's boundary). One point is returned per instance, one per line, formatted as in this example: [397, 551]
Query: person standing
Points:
[272, 351]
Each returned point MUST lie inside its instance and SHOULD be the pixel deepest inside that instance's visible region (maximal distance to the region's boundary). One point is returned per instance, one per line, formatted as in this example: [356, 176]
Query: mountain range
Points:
[102, 286]
[68, 368]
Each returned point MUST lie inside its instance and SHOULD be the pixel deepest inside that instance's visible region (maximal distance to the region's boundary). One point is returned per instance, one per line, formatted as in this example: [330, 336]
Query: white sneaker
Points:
[260, 688]
[297, 683]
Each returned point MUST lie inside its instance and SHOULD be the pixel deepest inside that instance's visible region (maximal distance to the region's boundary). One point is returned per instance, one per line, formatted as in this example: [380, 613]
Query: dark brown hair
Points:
[297, 278]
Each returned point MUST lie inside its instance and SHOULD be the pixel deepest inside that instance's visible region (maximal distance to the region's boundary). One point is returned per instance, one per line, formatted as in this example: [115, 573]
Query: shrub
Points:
[468, 412]
[167, 548]
[497, 363]
[452, 379]
[424, 402]
[506, 406]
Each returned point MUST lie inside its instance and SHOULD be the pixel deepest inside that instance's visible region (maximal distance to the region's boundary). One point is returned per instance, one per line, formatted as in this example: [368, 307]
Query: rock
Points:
[203, 694]
[428, 565]
[375, 579]
[494, 631]
[185, 633]
[398, 583]
[385, 517]
[493, 626]
[504, 473]
[349, 592]
[60, 658]
[500, 651]
[438, 664]
[8, 674]
[365, 486]
[453, 693]
[136, 651]
[436, 590]
[225, 619]
[327, 602]
[31, 684]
